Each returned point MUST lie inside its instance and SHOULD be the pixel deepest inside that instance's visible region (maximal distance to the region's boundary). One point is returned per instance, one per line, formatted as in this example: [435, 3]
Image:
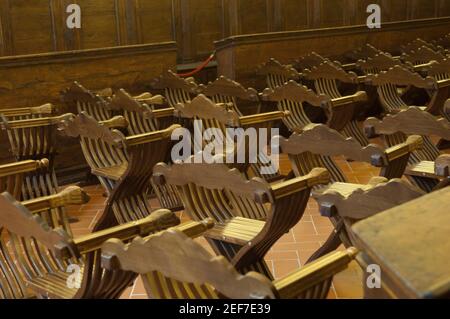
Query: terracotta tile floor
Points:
[288, 254]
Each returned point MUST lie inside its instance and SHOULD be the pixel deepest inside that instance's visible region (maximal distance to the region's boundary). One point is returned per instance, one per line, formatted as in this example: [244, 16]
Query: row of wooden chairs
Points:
[247, 215]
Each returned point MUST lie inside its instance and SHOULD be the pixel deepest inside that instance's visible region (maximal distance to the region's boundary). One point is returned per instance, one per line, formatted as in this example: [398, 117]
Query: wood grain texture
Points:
[416, 265]
[96, 69]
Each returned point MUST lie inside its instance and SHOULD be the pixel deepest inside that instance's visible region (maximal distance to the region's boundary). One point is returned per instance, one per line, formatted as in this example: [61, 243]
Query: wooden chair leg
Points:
[331, 244]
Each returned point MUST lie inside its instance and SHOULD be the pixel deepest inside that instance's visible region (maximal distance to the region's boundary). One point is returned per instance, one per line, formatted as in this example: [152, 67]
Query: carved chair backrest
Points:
[422, 55]
[388, 81]
[174, 266]
[214, 119]
[439, 70]
[176, 89]
[317, 144]
[379, 62]
[396, 127]
[362, 53]
[81, 99]
[416, 44]
[290, 97]
[224, 90]
[277, 74]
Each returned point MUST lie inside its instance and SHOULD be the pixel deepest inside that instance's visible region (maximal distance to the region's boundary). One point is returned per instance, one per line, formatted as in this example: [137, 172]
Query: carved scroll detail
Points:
[86, 126]
[296, 92]
[189, 262]
[399, 75]
[367, 200]
[276, 68]
[213, 176]
[204, 108]
[410, 121]
[20, 221]
[168, 79]
[329, 70]
[424, 54]
[228, 87]
[382, 61]
[320, 139]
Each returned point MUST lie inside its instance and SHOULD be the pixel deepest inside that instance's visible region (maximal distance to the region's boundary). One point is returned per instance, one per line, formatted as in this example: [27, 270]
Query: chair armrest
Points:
[359, 96]
[157, 221]
[317, 176]
[150, 99]
[115, 122]
[262, 118]
[156, 114]
[150, 137]
[442, 166]
[414, 142]
[22, 167]
[72, 195]
[313, 274]
[48, 109]
[443, 83]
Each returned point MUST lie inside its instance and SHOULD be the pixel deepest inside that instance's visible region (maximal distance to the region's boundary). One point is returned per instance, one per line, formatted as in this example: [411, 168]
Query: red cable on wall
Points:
[199, 68]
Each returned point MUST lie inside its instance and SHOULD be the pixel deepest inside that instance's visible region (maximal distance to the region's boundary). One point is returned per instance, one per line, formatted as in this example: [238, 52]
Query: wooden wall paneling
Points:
[154, 20]
[125, 29]
[423, 9]
[6, 38]
[294, 14]
[331, 12]
[58, 20]
[31, 26]
[444, 8]
[206, 25]
[231, 17]
[253, 16]
[98, 24]
[350, 11]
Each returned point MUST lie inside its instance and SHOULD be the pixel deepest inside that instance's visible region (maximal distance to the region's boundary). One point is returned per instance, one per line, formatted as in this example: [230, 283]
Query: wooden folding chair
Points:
[250, 214]
[40, 258]
[173, 266]
[424, 170]
[35, 139]
[123, 165]
[318, 144]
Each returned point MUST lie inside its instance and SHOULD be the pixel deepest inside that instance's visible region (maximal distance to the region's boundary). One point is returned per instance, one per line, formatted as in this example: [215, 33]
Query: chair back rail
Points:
[194, 274]
[277, 74]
